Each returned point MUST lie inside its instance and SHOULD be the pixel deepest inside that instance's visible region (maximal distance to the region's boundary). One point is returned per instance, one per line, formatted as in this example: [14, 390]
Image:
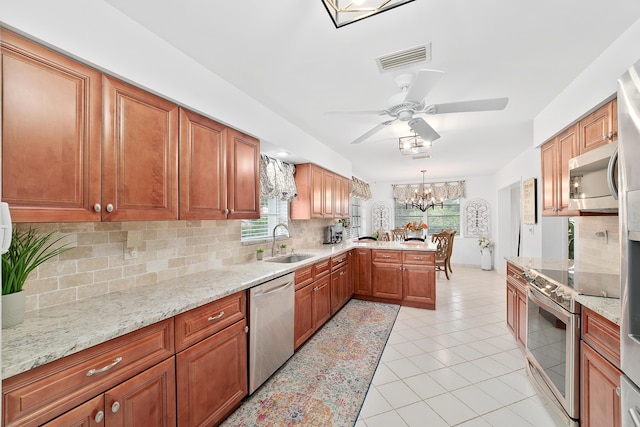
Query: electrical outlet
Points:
[130, 253]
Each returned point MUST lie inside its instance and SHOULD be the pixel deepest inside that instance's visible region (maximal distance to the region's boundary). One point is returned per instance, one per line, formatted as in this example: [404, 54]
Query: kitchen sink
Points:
[287, 259]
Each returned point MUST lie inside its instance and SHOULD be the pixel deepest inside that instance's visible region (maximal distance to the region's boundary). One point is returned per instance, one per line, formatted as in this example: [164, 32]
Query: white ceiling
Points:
[288, 55]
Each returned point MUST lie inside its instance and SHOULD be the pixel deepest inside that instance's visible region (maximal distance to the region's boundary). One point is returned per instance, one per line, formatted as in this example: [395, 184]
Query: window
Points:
[356, 218]
[438, 218]
[272, 213]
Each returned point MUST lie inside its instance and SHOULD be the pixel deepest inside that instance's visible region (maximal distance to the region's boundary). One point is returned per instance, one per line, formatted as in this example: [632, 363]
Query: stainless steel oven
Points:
[553, 352]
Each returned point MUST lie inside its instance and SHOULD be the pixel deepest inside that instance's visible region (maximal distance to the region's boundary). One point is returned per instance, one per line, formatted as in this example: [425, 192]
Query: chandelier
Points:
[414, 144]
[345, 12]
[422, 198]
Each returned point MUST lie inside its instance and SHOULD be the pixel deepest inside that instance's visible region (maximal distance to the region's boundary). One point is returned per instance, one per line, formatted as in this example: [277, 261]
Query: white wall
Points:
[594, 85]
[116, 44]
[465, 249]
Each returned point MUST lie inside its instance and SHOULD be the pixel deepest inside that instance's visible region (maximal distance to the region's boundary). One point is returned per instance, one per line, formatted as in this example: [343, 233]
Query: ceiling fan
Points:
[405, 105]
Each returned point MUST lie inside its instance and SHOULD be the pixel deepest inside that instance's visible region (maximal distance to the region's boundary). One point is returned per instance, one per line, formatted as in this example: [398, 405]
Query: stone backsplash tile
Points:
[170, 249]
[597, 241]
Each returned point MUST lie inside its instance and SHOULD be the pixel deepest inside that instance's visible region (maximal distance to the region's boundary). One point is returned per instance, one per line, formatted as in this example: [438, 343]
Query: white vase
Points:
[486, 259]
[13, 306]
[416, 233]
[259, 255]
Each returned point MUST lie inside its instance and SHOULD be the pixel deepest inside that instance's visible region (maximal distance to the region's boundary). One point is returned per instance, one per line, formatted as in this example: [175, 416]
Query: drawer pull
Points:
[386, 256]
[99, 417]
[216, 317]
[115, 407]
[315, 289]
[90, 372]
[342, 273]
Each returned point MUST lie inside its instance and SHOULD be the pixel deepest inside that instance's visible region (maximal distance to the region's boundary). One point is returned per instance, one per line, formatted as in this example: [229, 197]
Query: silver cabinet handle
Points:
[386, 256]
[115, 407]
[226, 211]
[210, 318]
[342, 273]
[104, 368]
[109, 208]
[232, 211]
[99, 417]
[618, 391]
[315, 289]
[97, 207]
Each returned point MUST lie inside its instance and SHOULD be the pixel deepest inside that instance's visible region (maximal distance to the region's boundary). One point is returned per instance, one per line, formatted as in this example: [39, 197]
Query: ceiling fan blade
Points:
[377, 112]
[425, 81]
[423, 129]
[468, 106]
[372, 131]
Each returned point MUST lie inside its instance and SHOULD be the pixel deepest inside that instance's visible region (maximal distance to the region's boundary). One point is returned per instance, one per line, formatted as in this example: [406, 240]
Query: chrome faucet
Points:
[273, 247]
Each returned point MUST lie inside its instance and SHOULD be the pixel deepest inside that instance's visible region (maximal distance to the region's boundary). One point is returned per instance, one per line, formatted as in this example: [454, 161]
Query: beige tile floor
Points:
[455, 366]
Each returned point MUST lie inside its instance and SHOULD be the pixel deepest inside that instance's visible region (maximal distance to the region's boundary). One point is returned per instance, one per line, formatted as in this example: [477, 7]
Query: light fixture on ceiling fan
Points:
[413, 145]
[344, 12]
[422, 198]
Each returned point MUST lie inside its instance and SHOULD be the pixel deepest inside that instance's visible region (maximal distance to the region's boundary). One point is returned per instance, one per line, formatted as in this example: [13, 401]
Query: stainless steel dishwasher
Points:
[270, 328]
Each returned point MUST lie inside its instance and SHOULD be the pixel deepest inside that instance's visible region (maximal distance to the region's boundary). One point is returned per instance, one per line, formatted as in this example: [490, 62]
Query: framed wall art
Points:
[529, 199]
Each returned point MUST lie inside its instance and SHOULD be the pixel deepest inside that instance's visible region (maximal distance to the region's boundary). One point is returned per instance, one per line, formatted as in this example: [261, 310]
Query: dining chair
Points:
[399, 234]
[442, 241]
[383, 236]
[453, 234]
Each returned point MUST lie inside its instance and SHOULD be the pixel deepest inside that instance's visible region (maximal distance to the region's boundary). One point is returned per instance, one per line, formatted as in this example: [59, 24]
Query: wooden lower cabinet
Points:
[419, 284]
[516, 304]
[599, 371]
[361, 268]
[312, 309]
[340, 287]
[386, 280]
[599, 383]
[148, 399]
[212, 377]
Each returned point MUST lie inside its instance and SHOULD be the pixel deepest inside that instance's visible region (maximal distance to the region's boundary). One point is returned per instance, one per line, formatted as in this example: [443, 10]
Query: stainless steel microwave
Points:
[593, 178]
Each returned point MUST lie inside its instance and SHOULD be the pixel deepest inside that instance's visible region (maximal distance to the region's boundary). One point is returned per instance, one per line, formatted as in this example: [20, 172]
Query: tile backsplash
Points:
[168, 249]
[597, 241]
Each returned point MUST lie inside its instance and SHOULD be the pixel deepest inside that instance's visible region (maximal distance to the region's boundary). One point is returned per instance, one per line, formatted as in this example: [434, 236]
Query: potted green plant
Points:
[27, 251]
[259, 253]
[283, 249]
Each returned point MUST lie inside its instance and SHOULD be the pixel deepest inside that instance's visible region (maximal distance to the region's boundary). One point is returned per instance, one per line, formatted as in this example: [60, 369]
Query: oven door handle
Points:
[543, 301]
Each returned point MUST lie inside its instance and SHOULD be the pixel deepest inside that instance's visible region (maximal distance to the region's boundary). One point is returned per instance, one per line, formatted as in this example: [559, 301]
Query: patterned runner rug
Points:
[326, 381]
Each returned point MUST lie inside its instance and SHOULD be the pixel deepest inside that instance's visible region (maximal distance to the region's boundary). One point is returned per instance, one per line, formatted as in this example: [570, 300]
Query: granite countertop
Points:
[609, 308]
[52, 333]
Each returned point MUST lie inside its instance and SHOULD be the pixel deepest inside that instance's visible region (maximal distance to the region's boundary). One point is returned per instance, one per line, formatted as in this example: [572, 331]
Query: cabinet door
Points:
[512, 307]
[148, 399]
[321, 301]
[387, 280]
[419, 284]
[598, 128]
[303, 315]
[521, 312]
[567, 148]
[339, 288]
[337, 196]
[599, 401]
[212, 377]
[140, 154]
[50, 134]
[89, 414]
[346, 198]
[327, 184]
[362, 272]
[316, 191]
[243, 176]
[548, 160]
[203, 167]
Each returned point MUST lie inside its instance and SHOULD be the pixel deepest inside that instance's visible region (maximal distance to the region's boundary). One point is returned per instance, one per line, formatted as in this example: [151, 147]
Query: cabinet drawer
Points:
[417, 257]
[339, 259]
[514, 275]
[321, 268]
[304, 276]
[386, 256]
[601, 334]
[199, 323]
[38, 395]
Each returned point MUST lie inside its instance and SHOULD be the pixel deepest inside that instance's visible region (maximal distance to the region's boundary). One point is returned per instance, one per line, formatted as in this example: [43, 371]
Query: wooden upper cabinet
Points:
[203, 167]
[555, 155]
[50, 134]
[599, 128]
[243, 176]
[140, 154]
[327, 197]
[320, 194]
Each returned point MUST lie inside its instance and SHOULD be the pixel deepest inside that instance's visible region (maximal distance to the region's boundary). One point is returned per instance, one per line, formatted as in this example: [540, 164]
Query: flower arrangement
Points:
[416, 226]
[484, 243]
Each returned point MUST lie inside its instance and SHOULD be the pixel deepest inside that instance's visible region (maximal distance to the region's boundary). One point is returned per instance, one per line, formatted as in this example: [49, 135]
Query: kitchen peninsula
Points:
[49, 337]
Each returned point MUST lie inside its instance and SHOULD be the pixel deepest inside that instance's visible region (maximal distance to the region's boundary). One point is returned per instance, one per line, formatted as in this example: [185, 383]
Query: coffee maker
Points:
[333, 234]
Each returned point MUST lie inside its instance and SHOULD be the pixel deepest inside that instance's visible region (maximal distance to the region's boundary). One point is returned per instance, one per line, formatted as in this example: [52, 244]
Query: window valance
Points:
[276, 179]
[440, 190]
[360, 189]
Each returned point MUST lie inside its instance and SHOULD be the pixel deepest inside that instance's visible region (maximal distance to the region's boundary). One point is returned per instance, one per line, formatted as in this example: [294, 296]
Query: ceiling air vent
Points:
[405, 57]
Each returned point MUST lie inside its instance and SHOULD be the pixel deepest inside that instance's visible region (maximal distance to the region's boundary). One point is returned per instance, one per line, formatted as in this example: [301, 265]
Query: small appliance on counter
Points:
[333, 234]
